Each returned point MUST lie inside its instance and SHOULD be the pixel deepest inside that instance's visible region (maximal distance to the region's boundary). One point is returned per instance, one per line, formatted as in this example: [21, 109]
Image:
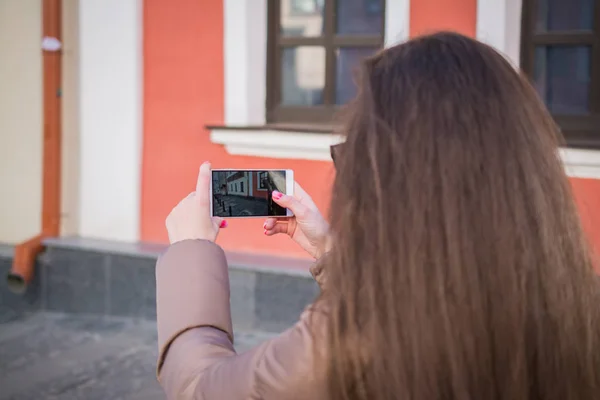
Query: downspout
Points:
[26, 252]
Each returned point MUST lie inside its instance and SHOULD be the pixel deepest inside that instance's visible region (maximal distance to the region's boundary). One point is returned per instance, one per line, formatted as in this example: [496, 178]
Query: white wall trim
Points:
[245, 54]
[110, 119]
[499, 25]
[581, 163]
[397, 21]
[276, 144]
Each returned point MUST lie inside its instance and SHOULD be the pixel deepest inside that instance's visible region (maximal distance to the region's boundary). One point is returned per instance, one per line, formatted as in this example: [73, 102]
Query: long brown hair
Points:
[459, 269]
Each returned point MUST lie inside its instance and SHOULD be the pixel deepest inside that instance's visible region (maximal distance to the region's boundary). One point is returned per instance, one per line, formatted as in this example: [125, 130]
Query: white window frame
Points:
[245, 54]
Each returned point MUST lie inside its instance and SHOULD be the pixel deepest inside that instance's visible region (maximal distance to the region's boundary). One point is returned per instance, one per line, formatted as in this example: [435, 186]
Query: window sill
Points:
[580, 163]
[303, 142]
[275, 141]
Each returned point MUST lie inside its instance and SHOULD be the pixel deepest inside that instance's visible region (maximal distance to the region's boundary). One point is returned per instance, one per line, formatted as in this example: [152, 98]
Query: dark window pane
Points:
[564, 15]
[562, 77]
[301, 17]
[302, 75]
[348, 60]
[359, 17]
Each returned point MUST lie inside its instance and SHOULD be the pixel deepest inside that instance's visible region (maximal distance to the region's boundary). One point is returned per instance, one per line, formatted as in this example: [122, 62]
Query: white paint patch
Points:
[51, 44]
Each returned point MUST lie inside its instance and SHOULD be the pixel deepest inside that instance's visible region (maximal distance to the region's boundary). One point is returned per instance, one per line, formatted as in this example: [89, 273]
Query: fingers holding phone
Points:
[190, 218]
[273, 194]
[307, 227]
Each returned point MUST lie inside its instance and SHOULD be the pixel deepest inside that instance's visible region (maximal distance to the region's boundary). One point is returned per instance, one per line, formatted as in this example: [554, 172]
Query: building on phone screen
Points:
[248, 184]
[147, 96]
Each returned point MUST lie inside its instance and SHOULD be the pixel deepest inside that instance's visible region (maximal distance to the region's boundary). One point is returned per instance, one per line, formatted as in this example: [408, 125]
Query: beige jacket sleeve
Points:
[196, 355]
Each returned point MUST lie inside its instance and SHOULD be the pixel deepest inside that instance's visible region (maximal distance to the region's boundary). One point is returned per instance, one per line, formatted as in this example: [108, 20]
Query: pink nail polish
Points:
[277, 195]
[265, 231]
[223, 224]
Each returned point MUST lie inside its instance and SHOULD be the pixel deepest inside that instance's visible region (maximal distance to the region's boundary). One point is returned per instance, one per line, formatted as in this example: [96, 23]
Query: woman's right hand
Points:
[307, 227]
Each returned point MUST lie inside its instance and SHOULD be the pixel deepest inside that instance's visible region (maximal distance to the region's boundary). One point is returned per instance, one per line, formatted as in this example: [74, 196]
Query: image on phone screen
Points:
[248, 193]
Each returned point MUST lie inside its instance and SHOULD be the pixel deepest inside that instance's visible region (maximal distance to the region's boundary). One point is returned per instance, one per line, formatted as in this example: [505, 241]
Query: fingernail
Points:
[265, 226]
[223, 224]
[277, 195]
[265, 231]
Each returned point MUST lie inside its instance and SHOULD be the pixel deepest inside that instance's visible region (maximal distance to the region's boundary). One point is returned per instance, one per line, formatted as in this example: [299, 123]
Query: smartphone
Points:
[248, 193]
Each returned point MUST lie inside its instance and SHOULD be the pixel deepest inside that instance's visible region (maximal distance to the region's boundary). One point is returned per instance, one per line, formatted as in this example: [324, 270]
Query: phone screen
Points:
[247, 193]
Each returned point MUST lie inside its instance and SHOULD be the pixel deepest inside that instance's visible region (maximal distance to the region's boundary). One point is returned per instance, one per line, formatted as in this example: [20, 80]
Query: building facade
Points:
[152, 88]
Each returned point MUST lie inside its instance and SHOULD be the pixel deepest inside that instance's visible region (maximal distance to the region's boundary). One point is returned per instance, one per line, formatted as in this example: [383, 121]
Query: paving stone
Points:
[77, 357]
[280, 299]
[44, 342]
[242, 285]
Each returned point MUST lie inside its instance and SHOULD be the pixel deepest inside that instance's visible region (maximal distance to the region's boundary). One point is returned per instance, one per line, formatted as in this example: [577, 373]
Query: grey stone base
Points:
[82, 276]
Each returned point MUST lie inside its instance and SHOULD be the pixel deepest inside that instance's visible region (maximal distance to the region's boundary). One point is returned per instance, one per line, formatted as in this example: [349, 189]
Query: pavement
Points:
[72, 357]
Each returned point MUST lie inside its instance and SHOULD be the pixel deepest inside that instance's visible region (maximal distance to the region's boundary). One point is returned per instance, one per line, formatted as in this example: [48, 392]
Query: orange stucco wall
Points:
[587, 195]
[427, 16]
[183, 91]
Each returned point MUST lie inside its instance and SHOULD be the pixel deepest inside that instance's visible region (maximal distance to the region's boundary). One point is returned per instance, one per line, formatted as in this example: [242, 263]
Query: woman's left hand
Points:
[191, 219]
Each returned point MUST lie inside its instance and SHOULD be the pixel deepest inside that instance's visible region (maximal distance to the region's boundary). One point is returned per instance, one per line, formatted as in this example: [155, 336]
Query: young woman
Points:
[455, 264]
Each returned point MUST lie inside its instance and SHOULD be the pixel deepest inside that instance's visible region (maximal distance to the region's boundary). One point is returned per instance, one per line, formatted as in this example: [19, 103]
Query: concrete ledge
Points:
[144, 250]
[274, 264]
[236, 260]
[86, 276]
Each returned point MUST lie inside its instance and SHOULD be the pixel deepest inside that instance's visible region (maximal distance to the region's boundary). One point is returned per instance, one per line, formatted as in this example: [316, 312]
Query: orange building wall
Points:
[427, 16]
[184, 89]
[587, 195]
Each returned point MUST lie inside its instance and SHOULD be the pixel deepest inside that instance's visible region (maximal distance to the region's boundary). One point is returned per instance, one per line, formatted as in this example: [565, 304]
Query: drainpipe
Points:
[26, 252]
